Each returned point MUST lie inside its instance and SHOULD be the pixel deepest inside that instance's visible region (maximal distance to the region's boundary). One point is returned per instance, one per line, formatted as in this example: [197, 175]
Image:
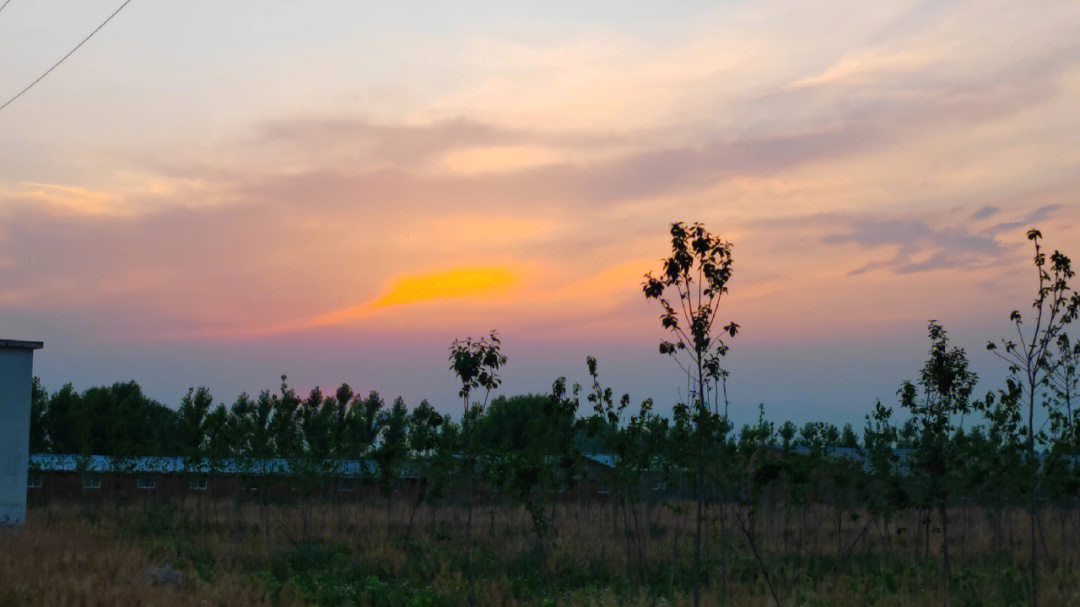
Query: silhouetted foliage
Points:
[1031, 359]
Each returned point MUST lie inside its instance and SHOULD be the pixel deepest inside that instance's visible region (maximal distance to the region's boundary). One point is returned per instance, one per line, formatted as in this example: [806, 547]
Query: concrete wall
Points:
[16, 377]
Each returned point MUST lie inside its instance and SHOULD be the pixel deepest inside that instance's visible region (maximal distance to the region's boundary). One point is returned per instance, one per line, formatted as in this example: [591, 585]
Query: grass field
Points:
[592, 553]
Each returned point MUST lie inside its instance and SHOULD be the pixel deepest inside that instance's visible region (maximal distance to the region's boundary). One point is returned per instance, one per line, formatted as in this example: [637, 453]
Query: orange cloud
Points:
[457, 283]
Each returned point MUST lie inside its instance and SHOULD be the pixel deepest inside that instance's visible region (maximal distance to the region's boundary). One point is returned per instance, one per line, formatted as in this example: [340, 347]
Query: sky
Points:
[217, 194]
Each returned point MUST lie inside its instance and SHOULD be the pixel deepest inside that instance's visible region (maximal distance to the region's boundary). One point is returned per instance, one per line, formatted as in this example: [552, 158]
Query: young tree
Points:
[314, 465]
[629, 443]
[362, 422]
[1064, 380]
[317, 416]
[423, 442]
[755, 471]
[689, 289]
[529, 442]
[284, 423]
[946, 384]
[194, 431]
[476, 364]
[249, 424]
[39, 400]
[885, 494]
[1030, 356]
[362, 432]
[192, 428]
[220, 442]
[343, 402]
[65, 431]
[392, 450]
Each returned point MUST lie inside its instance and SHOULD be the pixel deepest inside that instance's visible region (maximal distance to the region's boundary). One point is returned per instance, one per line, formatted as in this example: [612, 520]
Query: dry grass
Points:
[68, 555]
[56, 560]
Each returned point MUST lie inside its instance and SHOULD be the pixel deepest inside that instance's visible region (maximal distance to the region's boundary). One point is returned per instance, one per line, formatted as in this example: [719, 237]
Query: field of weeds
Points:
[232, 553]
[62, 559]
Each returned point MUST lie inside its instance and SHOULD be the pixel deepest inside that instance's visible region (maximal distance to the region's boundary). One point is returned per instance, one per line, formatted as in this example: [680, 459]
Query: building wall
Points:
[121, 486]
[16, 372]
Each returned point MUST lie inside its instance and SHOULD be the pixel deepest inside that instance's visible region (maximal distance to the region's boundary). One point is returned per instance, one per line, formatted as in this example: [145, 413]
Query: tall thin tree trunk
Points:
[697, 548]
[1033, 470]
[723, 553]
[945, 573]
[416, 505]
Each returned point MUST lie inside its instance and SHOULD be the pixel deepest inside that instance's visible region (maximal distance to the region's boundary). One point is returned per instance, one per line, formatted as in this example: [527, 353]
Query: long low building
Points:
[91, 478]
[97, 477]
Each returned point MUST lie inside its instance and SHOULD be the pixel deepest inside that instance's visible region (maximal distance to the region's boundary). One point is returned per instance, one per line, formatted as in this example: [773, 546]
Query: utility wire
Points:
[71, 52]
[3, 5]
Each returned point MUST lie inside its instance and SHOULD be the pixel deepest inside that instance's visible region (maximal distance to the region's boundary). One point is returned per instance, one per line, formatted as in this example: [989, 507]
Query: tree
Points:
[64, 431]
[250, 422]
[284, 423]
[362, 421]
[192, 426]
[193, 430]
[314, 465]
[530, 444]
[628, 443]
[689, 289]
[317, 416]
[946, 384]
[343, 402]
[885, 494]
[1030, 356]
[247, 427]
[1064, 381]
[423, 443]
[393, 449]
[476, 364]
[39, 400]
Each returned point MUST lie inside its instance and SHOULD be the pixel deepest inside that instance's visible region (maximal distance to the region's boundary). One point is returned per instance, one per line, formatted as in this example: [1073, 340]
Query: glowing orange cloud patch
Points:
[462, 282]
[413, 288]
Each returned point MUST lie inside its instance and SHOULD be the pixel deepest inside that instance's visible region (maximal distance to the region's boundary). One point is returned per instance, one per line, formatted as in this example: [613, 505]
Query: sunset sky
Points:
[219, 193]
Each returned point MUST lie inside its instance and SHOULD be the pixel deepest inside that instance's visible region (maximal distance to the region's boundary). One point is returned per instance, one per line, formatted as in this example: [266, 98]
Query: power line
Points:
[5, 4]
[71, 52]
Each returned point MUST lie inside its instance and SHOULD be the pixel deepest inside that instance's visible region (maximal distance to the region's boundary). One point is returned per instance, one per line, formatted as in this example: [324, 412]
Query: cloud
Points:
[921, 247]
[985, 213]
[456, 283]
[869, 66]
[618, 178]
[380, 144]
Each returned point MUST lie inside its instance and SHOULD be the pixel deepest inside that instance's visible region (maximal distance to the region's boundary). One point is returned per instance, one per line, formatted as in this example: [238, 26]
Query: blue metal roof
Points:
[47, 462]
[603, 459]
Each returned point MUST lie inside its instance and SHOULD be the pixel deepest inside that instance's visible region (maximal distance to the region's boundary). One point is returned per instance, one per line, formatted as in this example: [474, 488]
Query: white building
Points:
[16, 386]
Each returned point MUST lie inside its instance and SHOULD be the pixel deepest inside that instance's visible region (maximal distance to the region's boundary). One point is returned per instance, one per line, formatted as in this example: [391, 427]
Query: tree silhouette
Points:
[39, 436]
[1064, 381]
[423, 444]
[476, 364]
[1030, 357]
[689, 288]
[946, 384]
